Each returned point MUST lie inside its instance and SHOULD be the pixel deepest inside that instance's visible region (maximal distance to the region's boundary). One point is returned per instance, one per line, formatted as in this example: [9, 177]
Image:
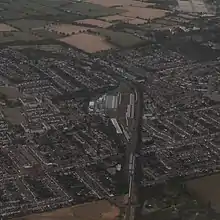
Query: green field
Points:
[42, 33]
[17, 36]
[52, 8]
[53, 3]
[119, 39]
[27, 25]
[90, 10]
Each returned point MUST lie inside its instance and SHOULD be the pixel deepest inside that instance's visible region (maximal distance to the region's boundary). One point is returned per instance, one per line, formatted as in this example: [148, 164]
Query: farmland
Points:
[30, 21]
[27, 25]
[114, 3]
[94, 22]
[67, 29]
[111, 3]
[90, 10]
[6, 37]
[118, 38]
[144, 13]
[137, 21]
[87, 42]
[114, 18]
[46, 34]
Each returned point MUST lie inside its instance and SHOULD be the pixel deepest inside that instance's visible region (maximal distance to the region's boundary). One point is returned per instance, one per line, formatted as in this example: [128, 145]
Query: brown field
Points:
[6, 28]
[144, 13]
[206, 189]
[113, 18]
[67, 29]
[95, 22]
[101, 210]
[87, 42]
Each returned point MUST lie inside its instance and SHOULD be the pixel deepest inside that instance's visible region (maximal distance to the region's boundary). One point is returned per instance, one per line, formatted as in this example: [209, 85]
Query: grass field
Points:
[45, 34]
[11, 14]
[6, 37]
[67, 29]
[90, 10]
[27, 25]
[95, 22]
[207, 189]
[119, 39]
[114, 18]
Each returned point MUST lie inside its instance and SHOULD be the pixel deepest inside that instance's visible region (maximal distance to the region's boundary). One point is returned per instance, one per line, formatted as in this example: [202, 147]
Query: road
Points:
[132, 149]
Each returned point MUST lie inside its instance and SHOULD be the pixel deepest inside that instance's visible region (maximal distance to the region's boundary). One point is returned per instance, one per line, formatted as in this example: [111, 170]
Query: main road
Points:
[132, 150]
